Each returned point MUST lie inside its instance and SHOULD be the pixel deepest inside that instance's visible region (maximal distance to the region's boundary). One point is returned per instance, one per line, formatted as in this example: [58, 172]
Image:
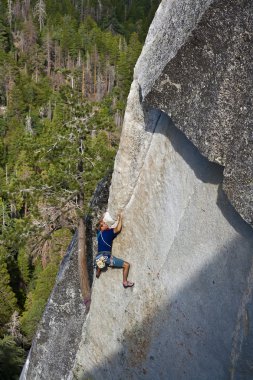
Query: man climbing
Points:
[105, 236]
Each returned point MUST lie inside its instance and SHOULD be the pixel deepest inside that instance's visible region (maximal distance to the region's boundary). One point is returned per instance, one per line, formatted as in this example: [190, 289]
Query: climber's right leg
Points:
[126, 283]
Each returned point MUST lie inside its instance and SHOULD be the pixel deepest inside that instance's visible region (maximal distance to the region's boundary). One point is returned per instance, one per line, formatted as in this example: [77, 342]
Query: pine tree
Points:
[10, 12]
[24, 265]
[11, 359]
[4, 37]
[8, 302]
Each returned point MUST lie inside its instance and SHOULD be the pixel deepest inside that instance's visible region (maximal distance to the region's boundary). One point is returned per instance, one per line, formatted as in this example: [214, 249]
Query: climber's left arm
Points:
[117, 229]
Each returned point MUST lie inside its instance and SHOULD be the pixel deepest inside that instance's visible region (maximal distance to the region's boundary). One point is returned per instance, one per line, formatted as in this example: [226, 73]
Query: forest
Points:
[65, 72]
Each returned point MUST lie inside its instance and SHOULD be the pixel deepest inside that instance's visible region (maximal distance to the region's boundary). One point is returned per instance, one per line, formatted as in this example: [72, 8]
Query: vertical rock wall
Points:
[189, 315]
[191, 260]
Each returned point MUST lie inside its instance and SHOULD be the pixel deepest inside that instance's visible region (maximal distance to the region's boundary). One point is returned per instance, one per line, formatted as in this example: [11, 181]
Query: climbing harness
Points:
[100, 261]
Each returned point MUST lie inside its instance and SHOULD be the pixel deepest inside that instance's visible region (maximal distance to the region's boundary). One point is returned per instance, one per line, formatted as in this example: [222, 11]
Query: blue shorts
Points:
[111, 260]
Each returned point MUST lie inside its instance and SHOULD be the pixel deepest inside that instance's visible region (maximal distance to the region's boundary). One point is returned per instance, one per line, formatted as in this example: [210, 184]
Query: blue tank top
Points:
[105, 239]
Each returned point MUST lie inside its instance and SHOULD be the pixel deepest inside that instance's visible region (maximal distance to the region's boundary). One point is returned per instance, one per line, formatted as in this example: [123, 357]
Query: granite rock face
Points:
[191, 257]
[189, 315]
[204, 81]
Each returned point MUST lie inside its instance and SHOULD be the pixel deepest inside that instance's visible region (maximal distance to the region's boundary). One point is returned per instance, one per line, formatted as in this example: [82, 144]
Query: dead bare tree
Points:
[40, 13]
[10, 12]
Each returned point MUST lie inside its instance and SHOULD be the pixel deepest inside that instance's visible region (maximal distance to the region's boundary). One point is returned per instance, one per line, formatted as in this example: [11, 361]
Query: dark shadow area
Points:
[207, 172]
[16, 281]
[193, 336]
[229, 212]
[97, 207]
[89, 246]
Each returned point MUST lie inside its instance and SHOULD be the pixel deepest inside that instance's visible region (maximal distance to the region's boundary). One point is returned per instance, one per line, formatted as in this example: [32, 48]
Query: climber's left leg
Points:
[119, 263]
[98, 272]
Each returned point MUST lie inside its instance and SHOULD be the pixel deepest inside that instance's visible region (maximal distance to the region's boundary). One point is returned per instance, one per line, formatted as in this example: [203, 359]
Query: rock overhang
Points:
[196, 67]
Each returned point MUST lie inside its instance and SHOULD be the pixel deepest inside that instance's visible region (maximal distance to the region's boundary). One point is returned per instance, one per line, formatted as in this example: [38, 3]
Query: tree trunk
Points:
[49, 111]
[82, 11]
[95, 73]
[48, 55]
[36, 74]
[6, 175]
[83, 80]
[79, 59]
[82, 260]
[88, 75]
[3, 222]
[25, 209]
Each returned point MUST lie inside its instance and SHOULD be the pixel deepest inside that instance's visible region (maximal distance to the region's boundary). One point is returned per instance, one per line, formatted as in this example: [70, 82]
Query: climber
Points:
[105, 236]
